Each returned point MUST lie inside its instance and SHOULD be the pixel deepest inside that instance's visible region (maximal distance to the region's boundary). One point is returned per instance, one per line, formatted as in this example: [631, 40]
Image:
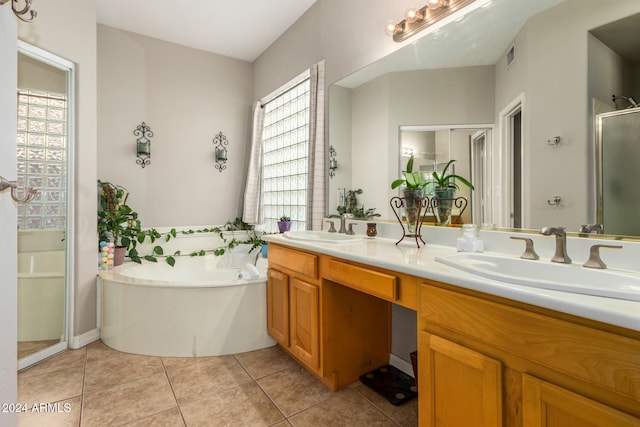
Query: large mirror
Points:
[537, 73]
[44, 155]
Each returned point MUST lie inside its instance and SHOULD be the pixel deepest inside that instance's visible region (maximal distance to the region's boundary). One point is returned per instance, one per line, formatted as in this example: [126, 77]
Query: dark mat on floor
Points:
[391, 383]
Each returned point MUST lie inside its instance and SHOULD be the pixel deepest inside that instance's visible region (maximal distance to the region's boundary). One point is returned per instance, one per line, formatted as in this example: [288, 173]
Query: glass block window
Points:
[285, 142]
[42, 158]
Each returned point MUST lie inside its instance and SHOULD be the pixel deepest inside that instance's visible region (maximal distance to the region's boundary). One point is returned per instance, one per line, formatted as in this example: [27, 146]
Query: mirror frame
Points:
[69, 68]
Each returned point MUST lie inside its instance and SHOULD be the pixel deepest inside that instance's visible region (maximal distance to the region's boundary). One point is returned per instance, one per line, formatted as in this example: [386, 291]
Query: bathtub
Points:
[190, 310]
[41, 295]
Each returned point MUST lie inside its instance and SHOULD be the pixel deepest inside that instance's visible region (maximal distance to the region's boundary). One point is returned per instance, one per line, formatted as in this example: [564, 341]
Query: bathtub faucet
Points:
[343, 219]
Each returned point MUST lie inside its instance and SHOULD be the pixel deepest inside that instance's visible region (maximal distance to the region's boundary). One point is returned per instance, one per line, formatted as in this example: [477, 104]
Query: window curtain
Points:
[316, 197]
[252, 210]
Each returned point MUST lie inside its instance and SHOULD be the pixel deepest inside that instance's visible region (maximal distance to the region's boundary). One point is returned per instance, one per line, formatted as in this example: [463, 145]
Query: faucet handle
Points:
[529, 252]
[351, 232]
[332, 227]
[594, 260]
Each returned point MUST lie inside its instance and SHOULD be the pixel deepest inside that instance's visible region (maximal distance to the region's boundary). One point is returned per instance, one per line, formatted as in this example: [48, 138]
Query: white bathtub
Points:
[41, 295]
[192, 309]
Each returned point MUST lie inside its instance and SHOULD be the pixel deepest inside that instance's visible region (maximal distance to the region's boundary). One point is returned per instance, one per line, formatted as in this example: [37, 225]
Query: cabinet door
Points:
[457, 386]
[278, 306]
[548, 405]
[304, 314]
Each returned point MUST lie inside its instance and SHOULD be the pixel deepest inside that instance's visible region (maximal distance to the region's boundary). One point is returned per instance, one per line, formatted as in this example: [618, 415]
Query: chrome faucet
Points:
[561, 243]
[591, 228]
[343, 228]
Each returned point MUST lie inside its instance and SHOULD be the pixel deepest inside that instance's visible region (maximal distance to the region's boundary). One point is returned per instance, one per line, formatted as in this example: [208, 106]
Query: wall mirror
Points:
[566, 60]
[44, 151]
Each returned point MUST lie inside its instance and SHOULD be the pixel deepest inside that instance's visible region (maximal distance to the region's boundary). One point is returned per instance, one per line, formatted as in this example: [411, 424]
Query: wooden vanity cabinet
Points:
[323, 319]
[293, 305]
[487, 361]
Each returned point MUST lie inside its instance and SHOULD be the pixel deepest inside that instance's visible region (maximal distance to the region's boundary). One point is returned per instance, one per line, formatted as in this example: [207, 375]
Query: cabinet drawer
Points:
[299, 262]
[374, 283]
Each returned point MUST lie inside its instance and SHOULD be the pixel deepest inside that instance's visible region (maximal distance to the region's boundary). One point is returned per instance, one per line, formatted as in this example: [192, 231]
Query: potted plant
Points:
[116, 220]
[413, 189]
[444, 189]
[284, 224]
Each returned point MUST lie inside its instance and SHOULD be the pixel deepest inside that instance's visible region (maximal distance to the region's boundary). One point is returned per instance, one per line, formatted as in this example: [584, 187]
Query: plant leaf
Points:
[150, 258]
[171, 261]
[158, 250]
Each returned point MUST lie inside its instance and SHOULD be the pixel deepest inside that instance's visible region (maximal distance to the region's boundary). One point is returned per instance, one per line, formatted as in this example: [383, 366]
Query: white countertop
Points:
[407, 258]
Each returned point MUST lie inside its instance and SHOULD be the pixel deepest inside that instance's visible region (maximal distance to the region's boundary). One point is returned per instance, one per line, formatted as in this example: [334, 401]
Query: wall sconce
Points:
[21, 12]
[143, 144]
[333, 162]
[220, 142]
[417, 20]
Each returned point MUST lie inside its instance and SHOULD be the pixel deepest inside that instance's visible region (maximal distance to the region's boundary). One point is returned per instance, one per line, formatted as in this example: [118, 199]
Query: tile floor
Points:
[99, 386]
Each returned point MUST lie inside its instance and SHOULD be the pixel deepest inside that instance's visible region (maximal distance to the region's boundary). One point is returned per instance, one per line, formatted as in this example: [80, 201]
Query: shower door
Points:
[45, 235]
[617, 160]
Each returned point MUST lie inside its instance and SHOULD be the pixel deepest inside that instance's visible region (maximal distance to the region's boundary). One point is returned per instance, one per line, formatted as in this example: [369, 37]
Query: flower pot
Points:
[118, 254]
[412, 205]
[444, 206]
[284, 226]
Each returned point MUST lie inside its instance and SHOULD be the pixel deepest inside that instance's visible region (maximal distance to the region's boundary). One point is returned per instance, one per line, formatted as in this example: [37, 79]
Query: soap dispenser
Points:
[469, 239]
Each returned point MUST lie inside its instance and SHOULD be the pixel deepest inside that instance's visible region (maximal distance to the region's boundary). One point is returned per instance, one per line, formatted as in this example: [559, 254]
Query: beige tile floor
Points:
[98, 386]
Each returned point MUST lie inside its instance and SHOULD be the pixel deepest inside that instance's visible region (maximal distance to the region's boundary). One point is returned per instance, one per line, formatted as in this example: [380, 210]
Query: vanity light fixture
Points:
[417, 20]
[21, 12]
[143, 144]
[333, 162]
[220, 141]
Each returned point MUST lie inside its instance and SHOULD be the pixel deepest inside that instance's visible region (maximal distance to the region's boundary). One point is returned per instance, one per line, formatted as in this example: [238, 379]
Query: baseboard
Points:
[88, 337]
[401, 364]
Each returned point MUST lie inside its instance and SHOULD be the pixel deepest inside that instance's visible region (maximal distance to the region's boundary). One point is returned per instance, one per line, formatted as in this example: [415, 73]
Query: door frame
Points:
[69, 67]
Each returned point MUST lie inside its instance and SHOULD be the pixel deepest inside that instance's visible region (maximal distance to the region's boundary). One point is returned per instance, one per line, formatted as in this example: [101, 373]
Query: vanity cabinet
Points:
[488, 361]
[293, 303]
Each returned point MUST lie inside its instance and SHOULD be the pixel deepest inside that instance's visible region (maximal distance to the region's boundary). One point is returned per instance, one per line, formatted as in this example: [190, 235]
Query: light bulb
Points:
[413, 15]
[436, 4]
[393, 28]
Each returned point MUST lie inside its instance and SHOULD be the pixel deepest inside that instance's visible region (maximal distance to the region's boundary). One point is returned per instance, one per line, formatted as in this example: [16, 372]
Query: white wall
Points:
[8, 217]
[186, 96]
[67, 28]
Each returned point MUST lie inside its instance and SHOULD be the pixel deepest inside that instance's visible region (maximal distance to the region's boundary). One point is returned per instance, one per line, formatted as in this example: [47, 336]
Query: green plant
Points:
[361, 213]
[448, 181]
[285, 218]
[411, 179]
[115, 217]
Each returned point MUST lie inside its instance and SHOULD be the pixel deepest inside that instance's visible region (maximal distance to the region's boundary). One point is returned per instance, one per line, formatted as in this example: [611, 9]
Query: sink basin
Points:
[547, 275]
[321, 236]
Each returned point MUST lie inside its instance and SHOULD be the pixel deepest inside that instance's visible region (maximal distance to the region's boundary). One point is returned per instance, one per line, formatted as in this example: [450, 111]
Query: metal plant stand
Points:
[421, 204]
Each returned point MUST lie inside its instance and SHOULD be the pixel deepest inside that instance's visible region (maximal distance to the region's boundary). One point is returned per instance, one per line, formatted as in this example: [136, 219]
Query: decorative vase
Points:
[412, 206]
[442, 210]
[284, 226]
[371, 229]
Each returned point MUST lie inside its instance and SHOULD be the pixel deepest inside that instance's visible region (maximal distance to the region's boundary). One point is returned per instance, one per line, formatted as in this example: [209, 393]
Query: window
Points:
[42, 158]
[286, 157]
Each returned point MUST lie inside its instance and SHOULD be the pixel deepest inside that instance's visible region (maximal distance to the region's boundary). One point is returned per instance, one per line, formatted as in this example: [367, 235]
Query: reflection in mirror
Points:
[43, 156]
[433, 146]
[560, 61]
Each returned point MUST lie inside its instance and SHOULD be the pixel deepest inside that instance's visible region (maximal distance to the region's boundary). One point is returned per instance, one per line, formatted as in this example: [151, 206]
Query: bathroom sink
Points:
[547, 275]
[321, 236]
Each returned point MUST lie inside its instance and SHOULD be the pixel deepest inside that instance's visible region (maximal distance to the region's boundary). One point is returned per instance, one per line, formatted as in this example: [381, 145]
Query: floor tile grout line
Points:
[164, 367]
[379, 408]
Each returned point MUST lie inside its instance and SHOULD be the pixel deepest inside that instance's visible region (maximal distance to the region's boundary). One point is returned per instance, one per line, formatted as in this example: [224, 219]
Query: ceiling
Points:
[240, 29]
